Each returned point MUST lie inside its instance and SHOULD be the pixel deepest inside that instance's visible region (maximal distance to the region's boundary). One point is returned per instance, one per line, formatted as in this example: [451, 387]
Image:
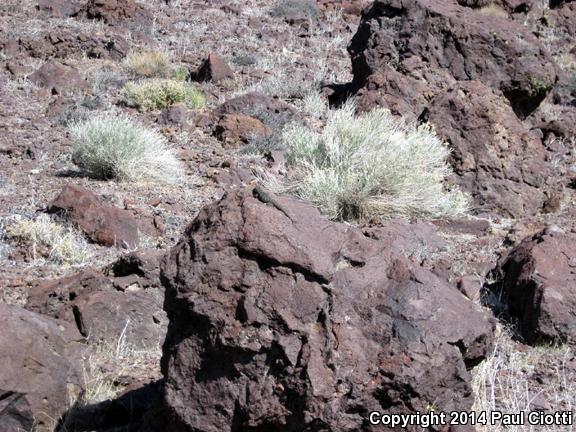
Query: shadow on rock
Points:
[129, 412]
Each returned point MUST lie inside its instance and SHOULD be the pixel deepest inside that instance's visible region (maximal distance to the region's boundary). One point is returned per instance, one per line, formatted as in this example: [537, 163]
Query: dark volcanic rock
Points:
[475, 76]
[59, 8]
[118, 12]
[135, 316]
[302, 324]
[495, 156]
[214, 68]
[58, 78]
[39, 370]
[439, 42]
[539, 285]
[104, 224]
[126, 298]
[236, 129]
[254, 103]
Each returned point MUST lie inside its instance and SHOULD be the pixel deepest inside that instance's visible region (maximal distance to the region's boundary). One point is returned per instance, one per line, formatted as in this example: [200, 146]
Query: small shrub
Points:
[180, 73]
[105, 78]
[244, 60]
[57, 243]
[161, 93]
[112, 146]
[314, 104]
[288, 88]
[370, 165]
[148, 64]
[288, 8]
[106, 365]
[493, 10]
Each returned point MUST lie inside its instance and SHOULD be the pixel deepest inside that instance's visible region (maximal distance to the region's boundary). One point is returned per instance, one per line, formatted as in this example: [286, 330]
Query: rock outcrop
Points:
[476, 77]
[539, 285]
[102, 223]
[286, 321]
[123, 300]
[58, 78]
[214, 68]
[498, 159]
[40, 371]
[441, 42]
[119, 12]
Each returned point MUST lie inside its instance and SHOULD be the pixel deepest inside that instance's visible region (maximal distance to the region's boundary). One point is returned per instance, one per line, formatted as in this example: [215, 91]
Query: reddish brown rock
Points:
[438, 43]
[350, 7]
[107, 45]
[59, 8]
[118, 12]
[104, 224]
[125, 299]
[287, 321]
[214, 69]
[539, 285]
[496, 158]
[55, 297]
[401, 94]
[254, 103]
[236, 129]
[58, 78]
[135, 317]
[40, 370]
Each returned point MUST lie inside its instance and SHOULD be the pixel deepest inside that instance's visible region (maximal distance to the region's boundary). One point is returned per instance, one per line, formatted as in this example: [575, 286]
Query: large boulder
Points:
[58, 78]
[40, 371]
[102, 223]
[475, 76]
[495, 156]
[539, 285]
[124, 300]
[285, 321]
[441, 42]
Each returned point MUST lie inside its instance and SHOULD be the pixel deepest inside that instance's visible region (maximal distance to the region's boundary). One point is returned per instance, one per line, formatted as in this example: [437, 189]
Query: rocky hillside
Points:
[287, 215]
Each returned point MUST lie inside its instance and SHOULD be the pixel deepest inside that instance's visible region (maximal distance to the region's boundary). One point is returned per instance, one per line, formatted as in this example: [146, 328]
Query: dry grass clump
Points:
[493, 10]
[370, 165]
[289, 8]
[112, 146]
[161, 93]
[50, 240]
[518, 378]
[105, 368]
[111, 359]
[148, 64]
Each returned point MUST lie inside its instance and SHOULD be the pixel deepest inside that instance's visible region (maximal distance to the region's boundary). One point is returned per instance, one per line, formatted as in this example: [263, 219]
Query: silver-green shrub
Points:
[362, 166]
[115, 146]
[161, 93]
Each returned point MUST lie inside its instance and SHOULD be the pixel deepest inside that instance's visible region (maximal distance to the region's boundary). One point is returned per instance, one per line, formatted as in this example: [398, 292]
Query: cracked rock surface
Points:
[306, 324]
